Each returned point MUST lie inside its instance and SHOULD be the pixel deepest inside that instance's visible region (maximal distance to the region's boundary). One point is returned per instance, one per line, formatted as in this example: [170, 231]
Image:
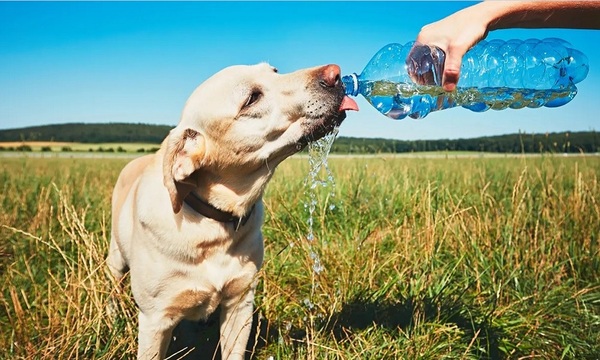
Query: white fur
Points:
[182, 264]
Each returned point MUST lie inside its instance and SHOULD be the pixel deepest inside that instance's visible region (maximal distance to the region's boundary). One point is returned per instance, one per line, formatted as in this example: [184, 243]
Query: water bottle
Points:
[405, 80]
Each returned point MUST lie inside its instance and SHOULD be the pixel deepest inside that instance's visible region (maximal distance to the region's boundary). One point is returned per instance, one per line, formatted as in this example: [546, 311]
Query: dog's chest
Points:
[198, 291]
[192, 242]
[198, 263]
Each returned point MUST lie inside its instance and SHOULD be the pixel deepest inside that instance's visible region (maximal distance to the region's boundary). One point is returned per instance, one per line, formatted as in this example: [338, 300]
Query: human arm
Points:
[458, 32]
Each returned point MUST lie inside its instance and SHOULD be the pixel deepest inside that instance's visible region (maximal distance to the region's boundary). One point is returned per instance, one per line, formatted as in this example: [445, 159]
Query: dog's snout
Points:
[330, 76]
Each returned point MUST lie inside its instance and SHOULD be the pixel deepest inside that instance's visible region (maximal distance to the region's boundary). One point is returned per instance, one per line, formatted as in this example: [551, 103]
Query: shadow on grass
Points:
[358, 314]
[200, 340]
[362, 313]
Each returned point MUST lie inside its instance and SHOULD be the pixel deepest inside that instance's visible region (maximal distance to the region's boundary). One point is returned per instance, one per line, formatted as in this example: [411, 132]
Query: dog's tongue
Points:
[348, 104]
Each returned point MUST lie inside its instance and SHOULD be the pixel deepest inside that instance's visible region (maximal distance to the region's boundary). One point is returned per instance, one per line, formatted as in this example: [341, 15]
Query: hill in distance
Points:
[564, 142]
[89, 133]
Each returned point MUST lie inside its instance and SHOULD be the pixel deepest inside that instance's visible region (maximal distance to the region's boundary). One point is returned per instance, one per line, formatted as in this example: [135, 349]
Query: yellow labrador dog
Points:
[186, 221]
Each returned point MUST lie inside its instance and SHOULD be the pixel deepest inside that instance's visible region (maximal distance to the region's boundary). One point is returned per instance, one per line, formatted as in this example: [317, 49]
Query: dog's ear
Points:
[184, 155]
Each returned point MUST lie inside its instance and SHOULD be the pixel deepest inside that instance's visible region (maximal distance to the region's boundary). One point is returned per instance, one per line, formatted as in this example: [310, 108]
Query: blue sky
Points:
[65, 62]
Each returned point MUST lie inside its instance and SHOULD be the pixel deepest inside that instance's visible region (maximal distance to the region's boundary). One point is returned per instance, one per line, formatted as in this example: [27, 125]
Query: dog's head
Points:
[238, 125]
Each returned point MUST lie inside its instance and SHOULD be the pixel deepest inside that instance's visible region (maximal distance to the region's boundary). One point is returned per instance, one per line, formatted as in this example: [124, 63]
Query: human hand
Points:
[458, 32]
[455, 35]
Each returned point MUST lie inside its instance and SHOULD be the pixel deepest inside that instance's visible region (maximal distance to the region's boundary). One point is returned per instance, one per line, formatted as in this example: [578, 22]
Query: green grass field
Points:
[430, 258]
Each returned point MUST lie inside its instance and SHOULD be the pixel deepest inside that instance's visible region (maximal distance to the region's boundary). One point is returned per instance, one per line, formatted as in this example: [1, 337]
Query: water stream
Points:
[319, 175]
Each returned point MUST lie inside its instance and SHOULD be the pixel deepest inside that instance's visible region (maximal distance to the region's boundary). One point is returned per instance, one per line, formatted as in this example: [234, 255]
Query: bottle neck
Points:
[350, 84]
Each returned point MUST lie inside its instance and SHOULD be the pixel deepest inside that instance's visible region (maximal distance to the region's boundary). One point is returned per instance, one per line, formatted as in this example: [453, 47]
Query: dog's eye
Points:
[275, 70]
[253, 98]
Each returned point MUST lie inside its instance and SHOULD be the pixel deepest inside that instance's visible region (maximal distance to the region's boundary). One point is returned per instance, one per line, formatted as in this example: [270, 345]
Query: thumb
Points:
[451, 70]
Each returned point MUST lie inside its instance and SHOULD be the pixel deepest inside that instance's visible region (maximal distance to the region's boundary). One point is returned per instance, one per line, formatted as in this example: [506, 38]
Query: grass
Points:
[430, 258]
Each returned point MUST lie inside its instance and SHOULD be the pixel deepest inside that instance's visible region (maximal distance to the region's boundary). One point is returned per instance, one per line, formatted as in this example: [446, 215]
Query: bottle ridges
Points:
[405, 80]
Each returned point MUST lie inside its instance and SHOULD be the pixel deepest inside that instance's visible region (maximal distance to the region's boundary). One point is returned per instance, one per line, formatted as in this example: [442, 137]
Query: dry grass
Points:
[423, 258]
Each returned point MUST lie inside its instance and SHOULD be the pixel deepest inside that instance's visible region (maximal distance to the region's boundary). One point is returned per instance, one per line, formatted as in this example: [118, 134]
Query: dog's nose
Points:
[330, 76]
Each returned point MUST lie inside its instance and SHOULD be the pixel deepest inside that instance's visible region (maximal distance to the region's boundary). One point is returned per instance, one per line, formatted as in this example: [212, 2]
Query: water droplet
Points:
[308, 304]
[317, 266]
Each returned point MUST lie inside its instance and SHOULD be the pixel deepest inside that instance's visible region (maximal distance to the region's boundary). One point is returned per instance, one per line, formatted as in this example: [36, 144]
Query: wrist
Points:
[499, 14]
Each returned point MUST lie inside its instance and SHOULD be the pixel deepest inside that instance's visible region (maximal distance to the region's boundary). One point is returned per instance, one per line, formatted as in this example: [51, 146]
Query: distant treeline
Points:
[89, 133]
[564, 142]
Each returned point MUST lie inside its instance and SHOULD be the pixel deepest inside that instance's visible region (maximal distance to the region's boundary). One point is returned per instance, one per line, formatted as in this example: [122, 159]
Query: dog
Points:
[186, 221]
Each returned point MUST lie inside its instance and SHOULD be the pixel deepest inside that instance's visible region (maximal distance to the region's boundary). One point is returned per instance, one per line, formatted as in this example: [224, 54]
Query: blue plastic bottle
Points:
[495, 75]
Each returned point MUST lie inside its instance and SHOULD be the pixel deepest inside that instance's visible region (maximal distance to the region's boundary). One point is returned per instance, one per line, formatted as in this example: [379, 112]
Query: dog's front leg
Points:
[153, 338]
[236, 320]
